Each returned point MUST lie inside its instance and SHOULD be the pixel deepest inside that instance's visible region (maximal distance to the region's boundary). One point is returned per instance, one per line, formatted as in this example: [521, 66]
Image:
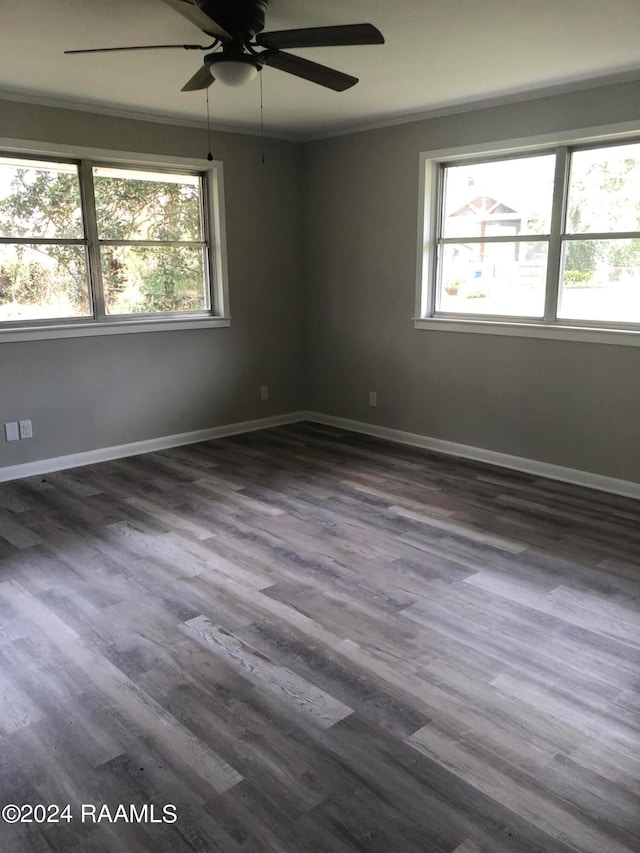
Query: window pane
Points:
[601, 281]
[502, 198]
[43, 282]
[137, 205]
[39, 200]
[493, 278]
[140, 279]
[604, 190]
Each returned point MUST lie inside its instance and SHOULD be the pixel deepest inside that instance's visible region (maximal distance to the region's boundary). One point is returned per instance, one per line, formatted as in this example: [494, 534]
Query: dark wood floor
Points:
[308, 640]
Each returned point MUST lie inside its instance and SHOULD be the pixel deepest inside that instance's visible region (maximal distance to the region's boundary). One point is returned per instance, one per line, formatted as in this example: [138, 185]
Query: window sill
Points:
[616, 337]
[111, 327]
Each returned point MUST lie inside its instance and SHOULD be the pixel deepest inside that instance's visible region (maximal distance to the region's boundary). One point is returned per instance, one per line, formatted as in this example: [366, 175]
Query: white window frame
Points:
[218, 315]
[431, 162]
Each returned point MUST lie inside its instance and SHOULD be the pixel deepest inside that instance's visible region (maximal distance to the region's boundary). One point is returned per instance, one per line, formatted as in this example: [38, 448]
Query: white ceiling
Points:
[438, 54]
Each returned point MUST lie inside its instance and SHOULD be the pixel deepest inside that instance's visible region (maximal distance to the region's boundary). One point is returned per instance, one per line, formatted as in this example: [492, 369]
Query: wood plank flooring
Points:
[303, 639]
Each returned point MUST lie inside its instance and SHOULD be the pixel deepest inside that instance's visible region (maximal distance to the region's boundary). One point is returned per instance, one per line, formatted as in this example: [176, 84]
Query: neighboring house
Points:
[490, 216]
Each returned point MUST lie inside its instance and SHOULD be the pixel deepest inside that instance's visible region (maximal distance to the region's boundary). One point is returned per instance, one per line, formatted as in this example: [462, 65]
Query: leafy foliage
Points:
[577, 276]
[141, 278]
[45, 203]
[605, 197]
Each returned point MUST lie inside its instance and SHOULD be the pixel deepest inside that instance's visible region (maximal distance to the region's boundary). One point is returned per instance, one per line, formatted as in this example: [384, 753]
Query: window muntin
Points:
[43, 268]
[600, 271]
[488, 263]
[84, 242]
[491, 278]
[572, 256]
[151, 237]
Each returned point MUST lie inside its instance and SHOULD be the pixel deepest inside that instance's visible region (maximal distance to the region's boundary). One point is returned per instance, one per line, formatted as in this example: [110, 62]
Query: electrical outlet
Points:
[26, 430]
[264, 392]
[373, 398]
[11, 431]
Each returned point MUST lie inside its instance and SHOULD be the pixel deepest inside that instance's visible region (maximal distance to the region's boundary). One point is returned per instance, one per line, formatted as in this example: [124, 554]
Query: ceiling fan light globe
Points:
[233, 73]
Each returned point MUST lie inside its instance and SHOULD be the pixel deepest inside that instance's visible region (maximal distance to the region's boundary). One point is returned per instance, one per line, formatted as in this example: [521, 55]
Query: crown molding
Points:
[505, 98]
[631, 75]
[97, 108]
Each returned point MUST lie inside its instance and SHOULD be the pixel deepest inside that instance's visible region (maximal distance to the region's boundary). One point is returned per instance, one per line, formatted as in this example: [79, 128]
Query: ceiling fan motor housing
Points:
[240, 18]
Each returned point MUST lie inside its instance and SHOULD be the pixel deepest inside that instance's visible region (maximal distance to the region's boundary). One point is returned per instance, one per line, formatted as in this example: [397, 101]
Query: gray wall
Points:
[326, 318]
[565, 403]
[86, 393]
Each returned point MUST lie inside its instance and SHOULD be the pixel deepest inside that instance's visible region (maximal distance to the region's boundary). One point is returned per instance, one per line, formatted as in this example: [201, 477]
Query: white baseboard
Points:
[104, 454]
[450, 448]
[479, 454]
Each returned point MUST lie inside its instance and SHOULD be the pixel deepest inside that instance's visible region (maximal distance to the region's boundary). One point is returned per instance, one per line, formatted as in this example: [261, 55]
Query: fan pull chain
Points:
[261, 119]
[209, 155]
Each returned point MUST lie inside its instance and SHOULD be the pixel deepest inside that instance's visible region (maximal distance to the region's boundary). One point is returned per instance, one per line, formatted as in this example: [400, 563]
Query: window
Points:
[600, 271]
[85, 243]
[549, 238]
[43, 262]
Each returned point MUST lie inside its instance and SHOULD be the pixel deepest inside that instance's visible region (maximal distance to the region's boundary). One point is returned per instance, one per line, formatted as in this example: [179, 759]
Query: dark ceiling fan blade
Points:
[202, 79]
[142, 47]
[320, 74]
[348, 34]
[198, 17]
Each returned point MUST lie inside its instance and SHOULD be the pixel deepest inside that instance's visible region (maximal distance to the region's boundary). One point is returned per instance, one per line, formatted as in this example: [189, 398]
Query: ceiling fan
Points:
[240, 48]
